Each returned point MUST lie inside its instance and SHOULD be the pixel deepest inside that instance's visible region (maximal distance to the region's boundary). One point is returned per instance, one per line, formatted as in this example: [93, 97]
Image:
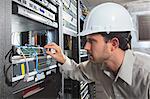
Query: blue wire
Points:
[37, 68]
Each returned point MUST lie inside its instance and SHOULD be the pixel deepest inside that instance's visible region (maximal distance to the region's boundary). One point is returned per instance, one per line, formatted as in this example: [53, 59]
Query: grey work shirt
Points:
[131, 82]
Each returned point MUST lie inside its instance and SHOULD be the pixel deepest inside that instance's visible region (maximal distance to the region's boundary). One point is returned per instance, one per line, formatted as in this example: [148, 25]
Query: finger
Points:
[51, 45]
[50, 53]
[48, 45]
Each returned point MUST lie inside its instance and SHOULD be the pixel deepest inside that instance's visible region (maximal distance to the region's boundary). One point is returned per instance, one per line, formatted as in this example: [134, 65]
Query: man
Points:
[119, 73]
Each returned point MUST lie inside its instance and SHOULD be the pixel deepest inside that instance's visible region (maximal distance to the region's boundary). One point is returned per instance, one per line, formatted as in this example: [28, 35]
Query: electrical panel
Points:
[35, 23]
[70, 43]
[37, 12]
[69, 15]
[70, 27]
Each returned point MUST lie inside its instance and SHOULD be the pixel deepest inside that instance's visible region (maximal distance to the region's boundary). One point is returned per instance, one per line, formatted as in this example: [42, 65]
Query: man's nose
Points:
[87, 46]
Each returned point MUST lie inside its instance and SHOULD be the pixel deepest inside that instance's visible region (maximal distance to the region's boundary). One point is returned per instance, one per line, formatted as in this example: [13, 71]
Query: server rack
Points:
[70, 45]
[34, 24]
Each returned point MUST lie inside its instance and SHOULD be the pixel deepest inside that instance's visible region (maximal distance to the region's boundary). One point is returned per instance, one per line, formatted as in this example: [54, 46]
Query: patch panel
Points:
[55, 2]
[74, 2]
[69, 12]
[69, 18]
[70, 6]
[66, 3]
[55, 24]
[19, 67]
[43, 2]
[35, 7]
[69, 25]
[52, 7]
[30, 51]
[32, 15]
[69, 31]
[73, 9]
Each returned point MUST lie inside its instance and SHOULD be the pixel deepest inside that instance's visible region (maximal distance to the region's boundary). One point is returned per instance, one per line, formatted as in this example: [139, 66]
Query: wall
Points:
[136, 8]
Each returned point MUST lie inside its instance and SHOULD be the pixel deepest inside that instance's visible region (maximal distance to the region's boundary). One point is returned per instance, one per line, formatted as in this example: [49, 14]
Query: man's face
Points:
[97, 48]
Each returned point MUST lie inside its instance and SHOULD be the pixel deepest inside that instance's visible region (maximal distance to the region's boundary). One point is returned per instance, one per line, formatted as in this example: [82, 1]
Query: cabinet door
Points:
[5, 32]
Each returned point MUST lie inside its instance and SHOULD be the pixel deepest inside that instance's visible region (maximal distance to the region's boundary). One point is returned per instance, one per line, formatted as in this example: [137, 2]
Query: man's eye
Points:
[91, 42]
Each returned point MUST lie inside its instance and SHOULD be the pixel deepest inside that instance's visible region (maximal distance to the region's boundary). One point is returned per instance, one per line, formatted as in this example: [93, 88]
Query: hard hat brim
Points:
[88, 32]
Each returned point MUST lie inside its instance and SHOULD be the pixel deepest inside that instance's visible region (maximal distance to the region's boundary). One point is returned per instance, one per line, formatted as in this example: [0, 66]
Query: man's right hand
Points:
[58, 55]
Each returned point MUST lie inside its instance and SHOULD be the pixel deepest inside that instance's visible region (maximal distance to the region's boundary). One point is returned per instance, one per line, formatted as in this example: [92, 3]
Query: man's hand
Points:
[58, 54]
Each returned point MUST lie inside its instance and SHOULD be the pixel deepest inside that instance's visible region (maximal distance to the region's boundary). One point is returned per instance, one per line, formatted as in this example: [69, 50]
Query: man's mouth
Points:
[90, 56]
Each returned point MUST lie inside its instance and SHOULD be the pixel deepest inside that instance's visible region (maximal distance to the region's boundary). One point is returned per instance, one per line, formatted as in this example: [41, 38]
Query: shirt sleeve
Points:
[75, 71]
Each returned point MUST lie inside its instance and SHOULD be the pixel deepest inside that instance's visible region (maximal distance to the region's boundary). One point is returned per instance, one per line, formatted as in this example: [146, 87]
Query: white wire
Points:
[15, 38]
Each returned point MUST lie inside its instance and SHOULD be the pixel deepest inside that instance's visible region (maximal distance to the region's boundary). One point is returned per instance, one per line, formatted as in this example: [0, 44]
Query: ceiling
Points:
[92, 3]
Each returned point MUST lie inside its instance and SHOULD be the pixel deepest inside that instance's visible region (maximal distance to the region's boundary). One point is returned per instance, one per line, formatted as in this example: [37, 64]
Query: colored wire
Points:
[27, 65]
[37, 69]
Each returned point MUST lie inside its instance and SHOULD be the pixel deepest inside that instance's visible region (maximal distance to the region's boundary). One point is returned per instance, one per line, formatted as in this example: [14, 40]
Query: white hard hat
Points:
[107, 17]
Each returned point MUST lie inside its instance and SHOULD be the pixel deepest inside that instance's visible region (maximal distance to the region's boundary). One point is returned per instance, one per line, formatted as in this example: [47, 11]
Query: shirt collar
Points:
[125, 72]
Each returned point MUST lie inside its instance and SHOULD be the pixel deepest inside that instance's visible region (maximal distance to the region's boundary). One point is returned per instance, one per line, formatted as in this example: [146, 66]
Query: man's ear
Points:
[115, 43]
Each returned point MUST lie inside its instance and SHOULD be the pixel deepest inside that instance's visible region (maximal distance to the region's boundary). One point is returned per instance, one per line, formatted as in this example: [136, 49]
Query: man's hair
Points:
[123, 37]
